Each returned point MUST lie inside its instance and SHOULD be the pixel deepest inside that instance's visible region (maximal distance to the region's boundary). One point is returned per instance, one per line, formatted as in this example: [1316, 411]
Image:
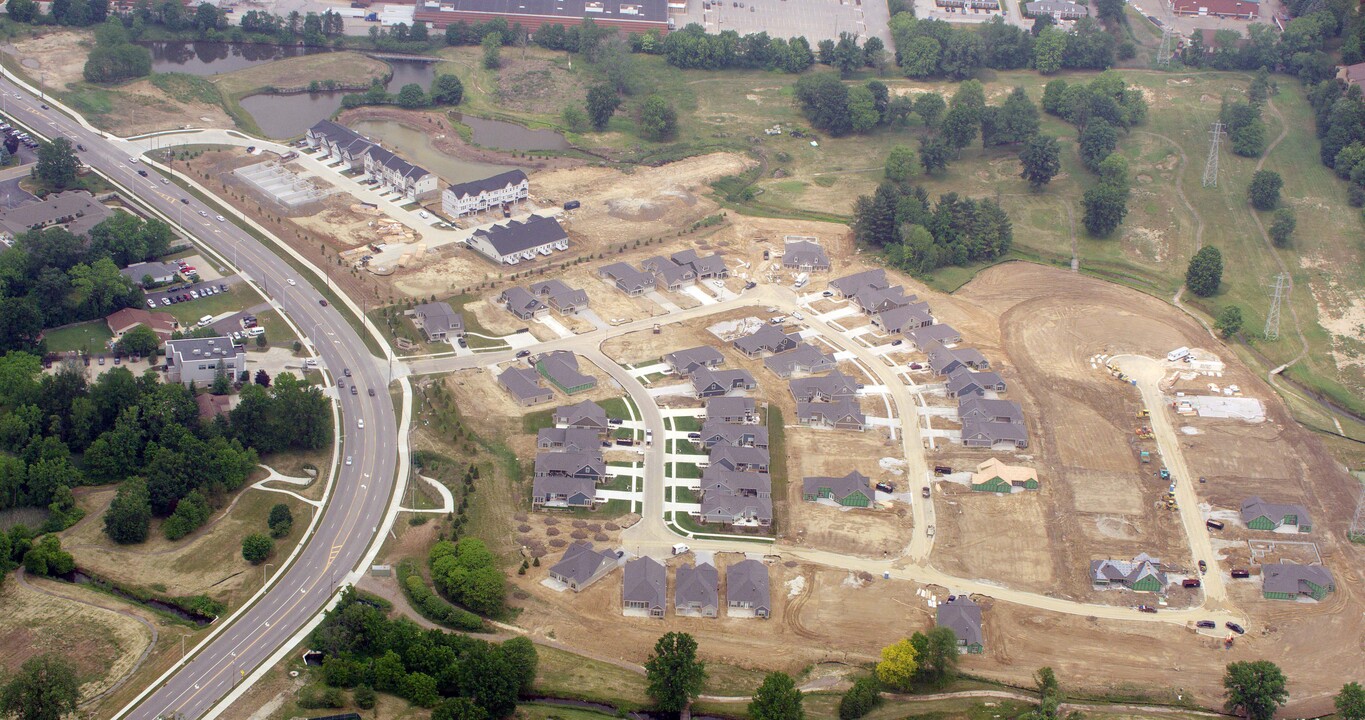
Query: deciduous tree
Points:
[1041, 160]
[1350, 702]
[901, 164]
[256, 548]
[777, 699]
[898, 665]
[1264, 191]
[658, 119]
[130, 514]
[673, 672]
[1205, 272]
[447, 89]
[1229, 321]
[860, 699]
[602, 104]
[1282, 227]
[57, 164]
[45, 688]
[1254, 689]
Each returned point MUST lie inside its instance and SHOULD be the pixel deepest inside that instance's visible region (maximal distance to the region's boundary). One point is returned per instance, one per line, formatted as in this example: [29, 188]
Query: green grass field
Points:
[87, 336]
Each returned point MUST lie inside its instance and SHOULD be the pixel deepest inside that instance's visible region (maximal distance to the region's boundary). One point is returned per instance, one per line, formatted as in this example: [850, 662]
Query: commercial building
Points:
[199, 360]
[1238, 9]
[76, 210]
[516, 241]
[121, 321]
[158, 272]
[625, 16]
[477, 195]
[1058, 9]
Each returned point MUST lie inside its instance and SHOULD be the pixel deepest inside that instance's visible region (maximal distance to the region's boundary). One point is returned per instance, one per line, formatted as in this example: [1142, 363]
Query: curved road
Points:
[361, 492]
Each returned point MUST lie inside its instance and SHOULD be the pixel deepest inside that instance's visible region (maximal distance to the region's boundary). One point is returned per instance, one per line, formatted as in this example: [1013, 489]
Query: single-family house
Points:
[1261, 515]
[1142, 574]
[997, 477]
[804, 359]
[572, 464]
[696, 590]
[804, 255]
[158, 273]
[963, 383]
[708, 383]
[559, 296]
[850, 285]
[669, 275]
[739, 458]
[736, 482]
[211, 406]
[943, 361]
[582, 566]
[200, 360]
[686, 362]
[569, 439]
[644, 588]
[586, 414]
[524, 385]
[627, 279]
[703, 268]
[725, 509]
[767, 339]
[963, 616]
[874, 301]
[1351, 74]
[515, 241]
[829, 388]
[121, 321]
[560, 367]
[741, 410]
[975, 408]
[1290, 581]
[840, 415]
[989, 433]
[903, 318]
[922, 338]
[471, 197]
[746, 589]
[563, 491]
[851, 490]
[717, 432]
[522, 303]
[439, 321]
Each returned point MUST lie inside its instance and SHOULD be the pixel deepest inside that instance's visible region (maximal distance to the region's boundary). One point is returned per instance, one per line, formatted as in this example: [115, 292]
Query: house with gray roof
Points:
[515, 241]
[627, 279]
[850, 285]
[200, 360]
[989, 433]
[982, 409]
[475, 195]
[76, 210]
[851, 490]
[718, 432]
[904, 318]
[965, 383]
[685, 362]
[159, 272]
[520, 302]
[669, 275]
[746, 590]
[582, 566]
[644, 588]
[1142, 574]
[560, 367]
[439, 321]
[728, 510]
[1058, 9]
[831, 387]
[560, 297]
[943, 361]
[1291, 582]
[963, 616]
[523, 384]
[735, 482]
[696, 590]
[585, 414]
[586, 464]
[707, 383]
[939, 334]
[842, 414]
[767, 339]
[805, 255]
[563, 491]
[704, 268]
[738, 457]
[804, 359]
[742, 410]
[569, 439]
[1261, 515]
[875, 301]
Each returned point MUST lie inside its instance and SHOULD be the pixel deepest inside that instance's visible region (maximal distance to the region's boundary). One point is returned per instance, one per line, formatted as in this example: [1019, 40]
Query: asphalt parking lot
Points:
[184, 290]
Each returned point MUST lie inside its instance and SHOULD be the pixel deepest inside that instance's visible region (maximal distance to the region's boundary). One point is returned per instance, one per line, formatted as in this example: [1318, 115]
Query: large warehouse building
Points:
[628, 16]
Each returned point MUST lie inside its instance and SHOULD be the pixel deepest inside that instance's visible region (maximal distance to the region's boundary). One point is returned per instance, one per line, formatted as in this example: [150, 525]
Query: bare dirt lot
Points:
[51, 55]
[872, 532]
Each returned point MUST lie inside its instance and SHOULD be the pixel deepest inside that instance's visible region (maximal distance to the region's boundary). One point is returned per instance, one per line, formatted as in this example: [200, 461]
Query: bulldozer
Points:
[1144, 413]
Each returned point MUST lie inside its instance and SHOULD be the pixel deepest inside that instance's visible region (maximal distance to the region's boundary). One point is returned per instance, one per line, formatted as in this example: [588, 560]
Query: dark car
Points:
[886, 487]
[353, 390]
[896, 342]
[346, 372]
[222, 288]
[1235, 628]
[523, 353]
[1206, 624]
[750, 285]
[1241, 574]
[1203, 567]
[322, 303]
[80, 147]
[916, 366]
[371, 391]
[185, 200]
[925, 491]
[1190, 583]
[143, 173]
[1146, 608]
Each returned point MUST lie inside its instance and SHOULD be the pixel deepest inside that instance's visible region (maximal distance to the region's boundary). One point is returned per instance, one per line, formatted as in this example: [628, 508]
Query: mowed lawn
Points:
[87, 336]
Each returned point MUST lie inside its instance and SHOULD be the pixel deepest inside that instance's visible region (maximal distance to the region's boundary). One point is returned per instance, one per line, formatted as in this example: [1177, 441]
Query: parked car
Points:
[614, 421]
[916, 366]
[1203, 567]
[896, 342]
[1235, 628]
[222, 287]
[1238, 574]
[925, 491]
[523, 353]
[151, 303]
[1206, 624]
[886, 487]
[1190, 583]
[165, 302]
[1146, 608]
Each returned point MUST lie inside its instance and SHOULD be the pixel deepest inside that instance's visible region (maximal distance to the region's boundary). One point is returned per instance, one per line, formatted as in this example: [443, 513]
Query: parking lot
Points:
[187, 292]
[815, 20]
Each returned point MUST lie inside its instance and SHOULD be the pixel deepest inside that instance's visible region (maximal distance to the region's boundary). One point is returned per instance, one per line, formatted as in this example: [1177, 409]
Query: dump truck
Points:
[1145, 456]
[1165, 474]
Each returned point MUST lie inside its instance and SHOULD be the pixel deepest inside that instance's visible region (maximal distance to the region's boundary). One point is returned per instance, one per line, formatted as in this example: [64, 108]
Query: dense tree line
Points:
[311, 28]
[461, 677]
[115, 58]
[467, 574]
[1340, 112]
[928, 48]
[918, 238]
[51, 277]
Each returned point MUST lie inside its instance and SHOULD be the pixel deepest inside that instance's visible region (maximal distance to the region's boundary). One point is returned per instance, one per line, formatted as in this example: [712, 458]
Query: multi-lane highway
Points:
[361, 495]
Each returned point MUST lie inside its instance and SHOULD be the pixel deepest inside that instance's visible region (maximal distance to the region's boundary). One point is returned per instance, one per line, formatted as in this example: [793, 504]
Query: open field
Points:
[87, 336]
[209, 561]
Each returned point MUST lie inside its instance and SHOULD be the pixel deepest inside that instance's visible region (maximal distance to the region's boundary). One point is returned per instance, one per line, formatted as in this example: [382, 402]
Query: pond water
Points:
[510, 136]
[282, 116]
[212, 58]
[417, 146]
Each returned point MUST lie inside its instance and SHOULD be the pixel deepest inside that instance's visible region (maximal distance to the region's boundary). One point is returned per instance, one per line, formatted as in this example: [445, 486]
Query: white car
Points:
[166, 302]
[423, 214]
[132, 160]
[360, 423]
[348, 459]
[220, 218]
[291, 282]
[151, 303]
[194, 294]
[203, 214]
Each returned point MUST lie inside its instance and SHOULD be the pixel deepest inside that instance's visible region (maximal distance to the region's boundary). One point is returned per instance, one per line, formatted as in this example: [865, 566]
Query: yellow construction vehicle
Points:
[1143, 413]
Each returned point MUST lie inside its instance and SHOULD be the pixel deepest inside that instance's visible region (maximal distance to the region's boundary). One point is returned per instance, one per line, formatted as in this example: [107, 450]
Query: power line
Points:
[1211, 165]
[1272, 319]
[1163, 56]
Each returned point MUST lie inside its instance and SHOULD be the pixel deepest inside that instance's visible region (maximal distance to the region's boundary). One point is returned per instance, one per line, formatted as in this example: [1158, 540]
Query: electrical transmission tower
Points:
[1272, 318]
[1357, 531]
[1163, 56]
[1211, 165]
